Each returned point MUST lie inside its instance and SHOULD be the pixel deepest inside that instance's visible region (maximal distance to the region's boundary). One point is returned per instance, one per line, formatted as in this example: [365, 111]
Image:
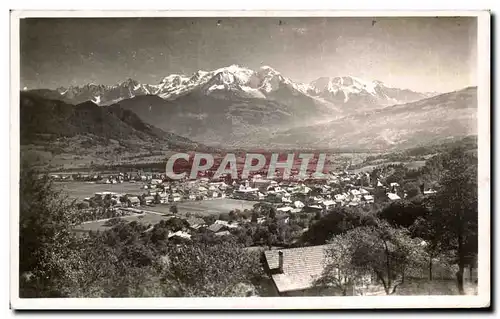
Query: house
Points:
[261, 184]
[223, 233]
[180, 234]
[294, 270]
[328, 203]
[261, 220]
[298, 204]
[317, 199]
[195, 222]
[226, 224]
[245, 192]
[364, 191]
[339, 198]
[216, 227]
[369, 198]
[393, 196]
[163, 198]
[149, 199]
[285, 209]
[156, 181]
[355, 192]
[175, 197]
[134, 201]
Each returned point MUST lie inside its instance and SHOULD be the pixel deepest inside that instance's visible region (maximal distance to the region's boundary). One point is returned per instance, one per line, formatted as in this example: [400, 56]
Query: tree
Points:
[124, 199]
[173, 209]
[340, 271]
[335, 222]
[157, 199]
[246, 214]
[403, 213]
[255, 216]
[380, 195]
[412, 190]
[83, 205]
[107, 201]
[387, 252]
[175, 224]
[45, 238]
[209, 219]
[209, 270]
[317, 216]
[142, 200]
[272, 213]
[456, 202]
[425, 228]
[232, 215]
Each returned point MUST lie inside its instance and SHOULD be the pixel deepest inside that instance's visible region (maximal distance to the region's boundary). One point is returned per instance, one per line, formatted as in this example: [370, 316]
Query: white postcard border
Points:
[484, 283]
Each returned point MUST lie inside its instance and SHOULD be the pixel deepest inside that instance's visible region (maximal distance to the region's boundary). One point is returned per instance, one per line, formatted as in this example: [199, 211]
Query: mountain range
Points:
[235, 106]
[264, 83]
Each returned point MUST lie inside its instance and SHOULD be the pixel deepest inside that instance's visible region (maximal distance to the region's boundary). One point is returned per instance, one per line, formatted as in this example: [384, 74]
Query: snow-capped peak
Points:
[267, 68]
[234, 74]
[344, 89]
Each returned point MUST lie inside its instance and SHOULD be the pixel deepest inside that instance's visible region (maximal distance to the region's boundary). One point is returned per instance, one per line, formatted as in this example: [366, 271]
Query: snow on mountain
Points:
[353, 91]
[233, 78]
[343, 93]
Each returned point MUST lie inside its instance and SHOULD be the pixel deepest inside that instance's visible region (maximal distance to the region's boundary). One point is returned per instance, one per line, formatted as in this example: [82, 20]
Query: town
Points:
[224, 209]
[295, 196]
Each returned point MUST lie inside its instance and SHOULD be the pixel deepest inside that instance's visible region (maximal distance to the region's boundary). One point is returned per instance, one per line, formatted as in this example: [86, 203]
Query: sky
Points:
[420, 53]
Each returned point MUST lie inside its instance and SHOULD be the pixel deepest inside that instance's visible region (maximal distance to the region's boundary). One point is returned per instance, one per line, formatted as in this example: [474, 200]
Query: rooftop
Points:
[301, 266]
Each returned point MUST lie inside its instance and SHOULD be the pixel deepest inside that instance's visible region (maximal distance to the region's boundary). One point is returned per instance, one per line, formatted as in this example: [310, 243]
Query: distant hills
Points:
[94, 132]
[428, 121]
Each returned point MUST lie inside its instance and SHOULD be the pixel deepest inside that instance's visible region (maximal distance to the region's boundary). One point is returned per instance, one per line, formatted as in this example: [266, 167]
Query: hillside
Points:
[428, 121]
[214, 120]
[87, 133]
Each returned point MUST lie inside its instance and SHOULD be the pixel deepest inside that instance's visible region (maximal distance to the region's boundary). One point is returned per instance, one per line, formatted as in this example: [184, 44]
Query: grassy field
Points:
[435, 287]
[206, 207]
[81, 190]
[145, 219]
[410, 165]
[202, 208]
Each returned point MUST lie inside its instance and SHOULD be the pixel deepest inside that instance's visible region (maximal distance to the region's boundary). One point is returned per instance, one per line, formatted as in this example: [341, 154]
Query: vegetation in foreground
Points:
[131, 261]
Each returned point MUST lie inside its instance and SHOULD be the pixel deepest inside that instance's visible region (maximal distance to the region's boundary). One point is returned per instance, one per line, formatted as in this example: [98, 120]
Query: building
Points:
[369, 198]
[393, 196]
[429, 192]
[295, 270]
[134, 201]
[180, 234]
[245, 192]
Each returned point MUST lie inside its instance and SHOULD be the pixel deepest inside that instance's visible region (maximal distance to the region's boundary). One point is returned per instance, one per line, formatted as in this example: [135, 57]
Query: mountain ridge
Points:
[430, 120]
[262, 83]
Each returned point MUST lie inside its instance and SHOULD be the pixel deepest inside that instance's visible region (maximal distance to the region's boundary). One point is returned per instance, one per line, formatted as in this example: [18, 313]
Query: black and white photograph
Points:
[253, 157]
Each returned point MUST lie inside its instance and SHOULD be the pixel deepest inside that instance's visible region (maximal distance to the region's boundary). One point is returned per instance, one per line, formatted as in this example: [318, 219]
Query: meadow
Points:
[81, 190]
